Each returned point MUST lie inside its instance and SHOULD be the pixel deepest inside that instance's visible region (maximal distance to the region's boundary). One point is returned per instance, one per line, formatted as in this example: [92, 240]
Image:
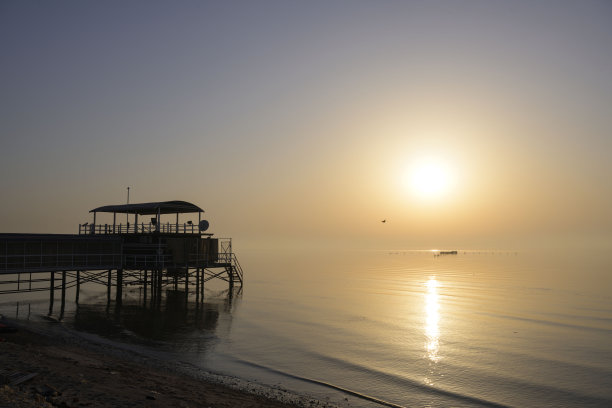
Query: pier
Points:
[152, 249]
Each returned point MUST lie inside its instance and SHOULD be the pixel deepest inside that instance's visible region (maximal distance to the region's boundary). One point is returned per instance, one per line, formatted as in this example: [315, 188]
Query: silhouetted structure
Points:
[153, 254]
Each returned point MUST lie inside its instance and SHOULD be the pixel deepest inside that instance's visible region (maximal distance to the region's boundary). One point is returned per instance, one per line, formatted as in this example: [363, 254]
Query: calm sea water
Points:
[480, 328]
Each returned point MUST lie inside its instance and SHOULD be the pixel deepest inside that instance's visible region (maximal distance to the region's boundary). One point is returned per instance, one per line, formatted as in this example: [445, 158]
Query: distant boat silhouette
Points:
[383, 221]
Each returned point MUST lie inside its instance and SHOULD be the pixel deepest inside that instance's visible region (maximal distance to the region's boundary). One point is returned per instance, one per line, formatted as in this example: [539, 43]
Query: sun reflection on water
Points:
[432, 319]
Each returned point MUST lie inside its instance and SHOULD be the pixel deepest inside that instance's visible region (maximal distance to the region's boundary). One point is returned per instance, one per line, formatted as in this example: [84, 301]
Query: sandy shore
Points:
[69, 373]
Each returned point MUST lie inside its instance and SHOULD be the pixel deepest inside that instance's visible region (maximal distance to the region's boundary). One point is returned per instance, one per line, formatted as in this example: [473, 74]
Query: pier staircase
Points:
[234, 270]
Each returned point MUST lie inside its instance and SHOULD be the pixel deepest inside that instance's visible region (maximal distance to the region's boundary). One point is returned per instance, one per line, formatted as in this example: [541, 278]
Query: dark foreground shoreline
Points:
[70, 372]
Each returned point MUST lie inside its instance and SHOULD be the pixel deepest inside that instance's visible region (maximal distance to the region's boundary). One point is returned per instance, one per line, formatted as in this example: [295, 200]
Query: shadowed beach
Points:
[69, 372]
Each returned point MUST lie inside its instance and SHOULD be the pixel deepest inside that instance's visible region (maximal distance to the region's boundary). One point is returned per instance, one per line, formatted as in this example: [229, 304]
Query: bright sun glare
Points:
[430, 178]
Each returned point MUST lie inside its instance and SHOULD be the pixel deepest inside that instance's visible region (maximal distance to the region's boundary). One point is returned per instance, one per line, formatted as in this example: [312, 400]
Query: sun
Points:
[430, 178]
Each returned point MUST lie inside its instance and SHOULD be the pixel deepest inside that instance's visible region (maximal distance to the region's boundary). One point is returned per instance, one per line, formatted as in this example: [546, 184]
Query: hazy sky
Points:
[297, 121]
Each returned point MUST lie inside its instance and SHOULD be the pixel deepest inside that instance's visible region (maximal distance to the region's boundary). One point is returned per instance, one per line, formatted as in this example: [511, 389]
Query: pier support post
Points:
[61, 316]
[145, 289]
[153, 286]
[231, 277]
[151, 280]
[119, 293]
[78, 286]
[197, 285]
[108, 287]
[51, 292]
[160, 271]
[202, 285]
[186, 283]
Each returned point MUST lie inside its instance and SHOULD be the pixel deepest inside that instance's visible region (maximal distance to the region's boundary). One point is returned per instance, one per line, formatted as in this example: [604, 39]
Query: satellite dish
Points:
[204, 225]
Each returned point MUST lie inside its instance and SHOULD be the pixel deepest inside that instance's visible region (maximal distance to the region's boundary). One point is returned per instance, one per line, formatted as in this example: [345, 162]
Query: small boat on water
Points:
[447, 253]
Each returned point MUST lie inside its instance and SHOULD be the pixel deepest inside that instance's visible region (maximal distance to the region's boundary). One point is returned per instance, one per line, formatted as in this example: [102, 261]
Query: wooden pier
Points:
[154, 254]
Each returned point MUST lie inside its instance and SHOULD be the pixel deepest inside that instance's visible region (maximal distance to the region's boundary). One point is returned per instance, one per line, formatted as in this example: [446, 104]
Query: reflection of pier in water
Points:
[153, 256]
[174, 322]
[178, 322]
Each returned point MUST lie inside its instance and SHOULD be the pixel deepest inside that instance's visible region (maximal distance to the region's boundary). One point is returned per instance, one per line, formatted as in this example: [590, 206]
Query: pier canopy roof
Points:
[162, 207]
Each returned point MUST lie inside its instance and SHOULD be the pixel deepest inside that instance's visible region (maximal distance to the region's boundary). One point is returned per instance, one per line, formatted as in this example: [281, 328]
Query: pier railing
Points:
[40, 252]
[22, 253]
[141, 228]
[146, 261]
[43, 262]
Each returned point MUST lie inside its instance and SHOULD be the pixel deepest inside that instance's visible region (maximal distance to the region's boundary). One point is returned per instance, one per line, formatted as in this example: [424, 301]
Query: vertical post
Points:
[145, 288]
[160, 271]
[157, 284]
[51, 292]
[108, 286]
[198, 263]
[114, 221]
[136, 223]
[154, 282]
[63, 295]
[230, 271]
[197, 284]
[177, 219]
[78, 285]
[186, 284]
[202, 285]
[93, 227]
[119, 293]
[152, 287]
[127, 220]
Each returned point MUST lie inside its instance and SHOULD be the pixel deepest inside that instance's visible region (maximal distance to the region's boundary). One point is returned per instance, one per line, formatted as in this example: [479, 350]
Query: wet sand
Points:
[72, 373]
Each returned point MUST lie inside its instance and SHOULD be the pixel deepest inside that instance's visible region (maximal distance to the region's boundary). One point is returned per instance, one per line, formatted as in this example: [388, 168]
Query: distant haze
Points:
[295, 123]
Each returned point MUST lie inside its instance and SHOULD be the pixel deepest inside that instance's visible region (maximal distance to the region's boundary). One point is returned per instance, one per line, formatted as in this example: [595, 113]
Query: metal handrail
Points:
[146, 260]
[69, 260]
[141, 228]
[237, 267]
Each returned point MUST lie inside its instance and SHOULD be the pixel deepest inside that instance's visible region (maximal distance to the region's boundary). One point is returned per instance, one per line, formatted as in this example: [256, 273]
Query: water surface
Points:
[404, 327]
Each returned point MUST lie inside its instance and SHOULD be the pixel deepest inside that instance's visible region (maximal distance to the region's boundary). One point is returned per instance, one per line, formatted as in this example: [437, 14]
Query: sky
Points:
[304, 123]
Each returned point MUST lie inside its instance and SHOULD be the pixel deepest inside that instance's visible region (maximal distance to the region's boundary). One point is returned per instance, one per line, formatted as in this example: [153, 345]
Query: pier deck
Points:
[154, 253]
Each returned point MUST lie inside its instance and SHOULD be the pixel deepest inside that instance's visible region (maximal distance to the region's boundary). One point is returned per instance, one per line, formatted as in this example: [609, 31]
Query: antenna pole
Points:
[127, 221]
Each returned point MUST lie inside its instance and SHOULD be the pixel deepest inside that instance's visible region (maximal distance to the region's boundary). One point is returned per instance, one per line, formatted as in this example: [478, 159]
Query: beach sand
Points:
[70, 373]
